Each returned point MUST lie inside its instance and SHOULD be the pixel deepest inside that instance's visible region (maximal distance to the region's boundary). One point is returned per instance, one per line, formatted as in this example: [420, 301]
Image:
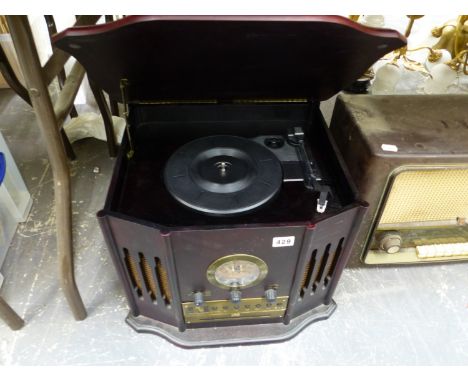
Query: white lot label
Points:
[284, 241]
[391, 148]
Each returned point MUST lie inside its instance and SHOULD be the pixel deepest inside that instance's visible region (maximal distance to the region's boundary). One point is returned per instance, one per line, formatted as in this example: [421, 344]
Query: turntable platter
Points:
[223, 175]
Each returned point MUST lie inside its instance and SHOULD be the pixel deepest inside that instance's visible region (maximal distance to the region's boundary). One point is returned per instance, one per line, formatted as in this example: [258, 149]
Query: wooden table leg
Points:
[42, 104]
[8, 315]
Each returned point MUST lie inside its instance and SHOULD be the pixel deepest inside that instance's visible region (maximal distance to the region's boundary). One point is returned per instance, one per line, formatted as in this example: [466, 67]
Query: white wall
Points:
[44, 49]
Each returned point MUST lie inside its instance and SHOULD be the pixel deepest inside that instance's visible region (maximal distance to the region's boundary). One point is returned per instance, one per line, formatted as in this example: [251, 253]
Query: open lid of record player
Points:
[227, 57]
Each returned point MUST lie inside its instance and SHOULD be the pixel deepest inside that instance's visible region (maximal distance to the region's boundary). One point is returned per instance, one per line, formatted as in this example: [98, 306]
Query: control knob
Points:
[198, 298]
[270, 295]
[236, 296]
[391, 242]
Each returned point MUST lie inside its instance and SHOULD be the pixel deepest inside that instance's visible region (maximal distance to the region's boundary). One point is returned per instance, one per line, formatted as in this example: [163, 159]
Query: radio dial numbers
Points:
[238, 271]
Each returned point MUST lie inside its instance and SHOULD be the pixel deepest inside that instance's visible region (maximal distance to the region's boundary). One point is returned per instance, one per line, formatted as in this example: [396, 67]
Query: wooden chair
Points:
[8, 315]
[50, 119]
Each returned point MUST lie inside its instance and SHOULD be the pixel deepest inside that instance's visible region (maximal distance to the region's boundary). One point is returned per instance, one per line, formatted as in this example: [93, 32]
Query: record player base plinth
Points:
[231, 335]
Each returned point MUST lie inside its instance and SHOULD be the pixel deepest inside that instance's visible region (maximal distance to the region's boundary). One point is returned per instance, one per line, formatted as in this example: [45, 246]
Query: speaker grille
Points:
[320, 268]
[333, 262]
[427, 195]
[163, 280]
[148, 280]
[310, 267]
[148, 277]
[133, 272]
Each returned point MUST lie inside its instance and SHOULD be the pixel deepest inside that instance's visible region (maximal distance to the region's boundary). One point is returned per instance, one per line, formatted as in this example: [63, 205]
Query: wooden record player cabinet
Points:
[184, 77]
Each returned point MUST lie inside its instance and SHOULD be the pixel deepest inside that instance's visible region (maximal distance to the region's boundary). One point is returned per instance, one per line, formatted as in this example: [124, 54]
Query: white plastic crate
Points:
[15, 200]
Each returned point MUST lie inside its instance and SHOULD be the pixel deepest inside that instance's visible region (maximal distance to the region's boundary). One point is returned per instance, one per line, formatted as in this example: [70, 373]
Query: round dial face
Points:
[237, 271]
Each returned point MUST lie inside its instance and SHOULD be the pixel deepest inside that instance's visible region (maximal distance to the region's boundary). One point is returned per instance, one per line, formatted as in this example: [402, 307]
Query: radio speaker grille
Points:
[164, 281]
[320, 268]
[148, 277]
[133, 272]
[427, 195]
[143, 273]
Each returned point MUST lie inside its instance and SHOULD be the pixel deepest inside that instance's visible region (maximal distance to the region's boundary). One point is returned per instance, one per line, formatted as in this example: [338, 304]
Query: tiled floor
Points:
[385, 316]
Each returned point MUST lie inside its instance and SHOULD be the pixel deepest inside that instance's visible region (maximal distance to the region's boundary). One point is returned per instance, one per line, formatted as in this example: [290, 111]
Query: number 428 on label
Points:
[284, 241]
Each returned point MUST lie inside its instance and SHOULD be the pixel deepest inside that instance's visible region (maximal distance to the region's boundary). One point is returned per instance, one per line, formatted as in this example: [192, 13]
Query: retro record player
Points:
[229, 216]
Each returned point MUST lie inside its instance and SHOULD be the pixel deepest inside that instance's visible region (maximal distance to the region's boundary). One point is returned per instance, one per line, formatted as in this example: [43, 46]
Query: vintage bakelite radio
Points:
[409, 158]
[230, 216]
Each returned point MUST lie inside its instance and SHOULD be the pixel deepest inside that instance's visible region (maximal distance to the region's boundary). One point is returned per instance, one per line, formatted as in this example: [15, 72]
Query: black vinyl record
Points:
[223, 175]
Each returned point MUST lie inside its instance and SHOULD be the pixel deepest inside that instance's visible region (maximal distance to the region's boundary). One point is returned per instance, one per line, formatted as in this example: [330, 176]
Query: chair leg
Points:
[73, 112]
[8, 315]
[15, 84]
[10, 77]
[62, 77]
[114, 106]
[106, 116]
[52, 29]
[47, 121]
[67, 145]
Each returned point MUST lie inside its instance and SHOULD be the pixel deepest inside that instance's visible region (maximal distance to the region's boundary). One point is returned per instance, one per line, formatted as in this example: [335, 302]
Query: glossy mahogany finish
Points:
[224, 58]
[227, 57]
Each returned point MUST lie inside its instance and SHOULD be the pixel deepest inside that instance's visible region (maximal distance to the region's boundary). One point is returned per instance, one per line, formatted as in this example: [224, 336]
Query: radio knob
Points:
[270, 295]
[198, 298]
[391, 242]
[236, 296]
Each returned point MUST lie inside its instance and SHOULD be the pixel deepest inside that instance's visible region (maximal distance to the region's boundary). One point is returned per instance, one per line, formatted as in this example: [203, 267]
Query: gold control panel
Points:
[222, 310]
